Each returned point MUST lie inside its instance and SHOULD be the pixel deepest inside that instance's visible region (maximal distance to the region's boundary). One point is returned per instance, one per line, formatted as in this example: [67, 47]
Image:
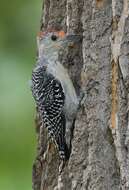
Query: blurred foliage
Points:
[19, 23]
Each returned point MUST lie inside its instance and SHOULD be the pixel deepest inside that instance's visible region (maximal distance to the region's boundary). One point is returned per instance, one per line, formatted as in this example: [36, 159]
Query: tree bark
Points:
[99, 158]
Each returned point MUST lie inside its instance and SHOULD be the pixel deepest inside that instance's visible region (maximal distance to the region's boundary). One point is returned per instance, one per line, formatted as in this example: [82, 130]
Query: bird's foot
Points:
[82, 98]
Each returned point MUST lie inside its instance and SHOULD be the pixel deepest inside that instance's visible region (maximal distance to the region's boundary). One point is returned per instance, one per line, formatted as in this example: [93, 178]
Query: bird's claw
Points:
[82, 98]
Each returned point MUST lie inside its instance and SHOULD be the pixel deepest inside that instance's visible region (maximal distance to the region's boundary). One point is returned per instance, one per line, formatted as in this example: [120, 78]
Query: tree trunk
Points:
[99, 158]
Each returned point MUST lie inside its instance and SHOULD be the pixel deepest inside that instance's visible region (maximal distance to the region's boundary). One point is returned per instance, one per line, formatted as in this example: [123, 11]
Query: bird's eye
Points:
[53, 37]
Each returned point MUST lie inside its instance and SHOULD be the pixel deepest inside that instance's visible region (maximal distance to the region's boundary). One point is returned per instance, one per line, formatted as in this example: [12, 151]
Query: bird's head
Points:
[51, 42]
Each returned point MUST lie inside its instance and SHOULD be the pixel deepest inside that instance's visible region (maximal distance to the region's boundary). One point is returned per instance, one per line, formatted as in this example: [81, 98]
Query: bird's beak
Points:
[74, 38]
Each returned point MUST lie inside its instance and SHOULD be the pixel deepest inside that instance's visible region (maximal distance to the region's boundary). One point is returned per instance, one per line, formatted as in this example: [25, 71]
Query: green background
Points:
[19, 23]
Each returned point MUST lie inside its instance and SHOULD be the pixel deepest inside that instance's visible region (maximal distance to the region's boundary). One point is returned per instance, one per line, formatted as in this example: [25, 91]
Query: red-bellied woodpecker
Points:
[53, 89]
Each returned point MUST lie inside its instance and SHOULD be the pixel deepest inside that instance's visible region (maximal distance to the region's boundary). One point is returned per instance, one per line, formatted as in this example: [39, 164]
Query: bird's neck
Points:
[48, 59]
[52, 57]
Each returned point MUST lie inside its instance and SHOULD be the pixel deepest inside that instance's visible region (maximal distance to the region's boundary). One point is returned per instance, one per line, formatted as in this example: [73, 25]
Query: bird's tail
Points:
[64, 151]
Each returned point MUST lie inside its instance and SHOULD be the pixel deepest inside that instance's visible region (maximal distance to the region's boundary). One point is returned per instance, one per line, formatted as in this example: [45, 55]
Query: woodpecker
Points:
[53, 90]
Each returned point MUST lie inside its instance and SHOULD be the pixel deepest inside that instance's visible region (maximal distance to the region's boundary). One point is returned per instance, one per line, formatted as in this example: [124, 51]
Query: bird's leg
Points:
[83, 93]
[81, 98]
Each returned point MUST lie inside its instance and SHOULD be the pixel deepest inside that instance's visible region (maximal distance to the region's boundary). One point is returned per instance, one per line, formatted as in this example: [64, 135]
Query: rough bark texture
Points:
[100, 66]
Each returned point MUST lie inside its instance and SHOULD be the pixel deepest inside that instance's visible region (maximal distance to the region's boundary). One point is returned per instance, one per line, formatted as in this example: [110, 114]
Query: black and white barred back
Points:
[49, 96]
